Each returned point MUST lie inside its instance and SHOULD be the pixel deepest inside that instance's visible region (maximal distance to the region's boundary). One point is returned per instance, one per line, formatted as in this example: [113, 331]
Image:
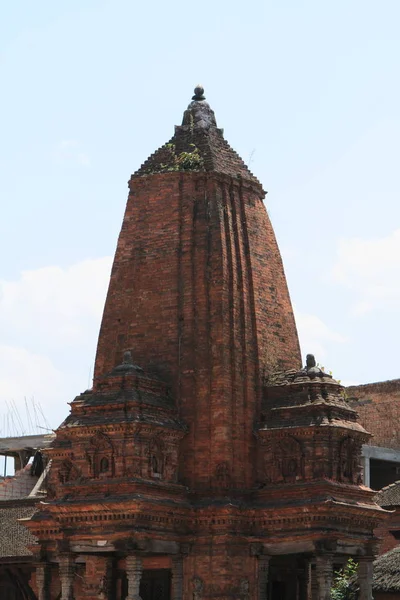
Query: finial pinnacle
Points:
[127, 360]
[310, 361]
[198, 93]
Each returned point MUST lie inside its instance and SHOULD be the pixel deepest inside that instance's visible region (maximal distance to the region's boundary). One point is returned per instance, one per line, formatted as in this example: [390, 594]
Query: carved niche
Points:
[156, 459]
[348, 461]
[100, 456]
[289, 459]
[222, 475]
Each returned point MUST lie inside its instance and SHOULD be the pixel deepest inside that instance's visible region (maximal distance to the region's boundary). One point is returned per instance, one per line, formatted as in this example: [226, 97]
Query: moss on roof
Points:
[387, 572]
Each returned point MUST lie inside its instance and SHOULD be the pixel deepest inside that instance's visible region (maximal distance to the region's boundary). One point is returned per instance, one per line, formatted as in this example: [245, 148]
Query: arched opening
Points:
[104, 466]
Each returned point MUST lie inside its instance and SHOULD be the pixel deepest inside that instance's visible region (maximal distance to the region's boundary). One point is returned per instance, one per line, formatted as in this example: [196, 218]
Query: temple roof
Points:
[15, 538]
[198, 145]
[387, 572]
[389, 495]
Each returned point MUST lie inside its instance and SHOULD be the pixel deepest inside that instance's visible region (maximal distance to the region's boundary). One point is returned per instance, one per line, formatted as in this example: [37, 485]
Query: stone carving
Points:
[197, 588]
[222, 475]
[156, 458]
[289, 458]
[100, 455]
[244, 589]
[348, 463]
[311, 368]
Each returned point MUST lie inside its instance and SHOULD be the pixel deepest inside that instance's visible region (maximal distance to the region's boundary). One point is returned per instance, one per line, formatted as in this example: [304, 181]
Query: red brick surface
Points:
[198, 293]
[378, 406]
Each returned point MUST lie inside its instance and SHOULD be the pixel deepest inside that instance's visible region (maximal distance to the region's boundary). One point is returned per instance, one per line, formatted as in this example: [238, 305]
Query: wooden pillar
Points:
[177, 578]
[42, 573]
[66, 564]
[263, 567]
[324, 576]
[365, 571]
[134, 568]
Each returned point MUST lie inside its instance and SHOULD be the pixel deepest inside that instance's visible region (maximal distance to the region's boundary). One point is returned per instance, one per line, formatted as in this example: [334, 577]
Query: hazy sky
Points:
[308, 93]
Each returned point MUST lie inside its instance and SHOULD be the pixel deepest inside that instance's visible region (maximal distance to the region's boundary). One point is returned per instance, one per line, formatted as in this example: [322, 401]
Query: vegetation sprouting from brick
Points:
[344, 587]
[184, 161]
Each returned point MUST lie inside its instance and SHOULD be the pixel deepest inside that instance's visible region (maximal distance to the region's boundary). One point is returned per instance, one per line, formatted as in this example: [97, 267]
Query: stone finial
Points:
[127, 360]
[311, 368]
[127, 364]
[198, 93]
[310, 361]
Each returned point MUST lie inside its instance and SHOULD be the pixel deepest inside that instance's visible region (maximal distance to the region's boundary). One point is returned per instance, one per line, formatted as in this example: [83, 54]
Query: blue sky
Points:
[307, 92]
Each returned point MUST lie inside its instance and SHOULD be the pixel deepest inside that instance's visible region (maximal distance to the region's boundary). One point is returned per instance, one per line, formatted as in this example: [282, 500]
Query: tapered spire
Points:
[199, 292]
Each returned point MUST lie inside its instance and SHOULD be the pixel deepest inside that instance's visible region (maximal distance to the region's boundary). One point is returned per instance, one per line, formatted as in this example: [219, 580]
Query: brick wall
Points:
[378, 405]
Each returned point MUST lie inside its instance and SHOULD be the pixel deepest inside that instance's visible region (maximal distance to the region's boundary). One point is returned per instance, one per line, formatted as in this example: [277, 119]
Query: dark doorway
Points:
[278, 591]
[288, 577]
[383, 473]
[156, 585]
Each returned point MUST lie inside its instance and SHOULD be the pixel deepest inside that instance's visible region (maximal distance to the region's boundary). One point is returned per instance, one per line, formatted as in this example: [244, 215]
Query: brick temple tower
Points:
[204, 462]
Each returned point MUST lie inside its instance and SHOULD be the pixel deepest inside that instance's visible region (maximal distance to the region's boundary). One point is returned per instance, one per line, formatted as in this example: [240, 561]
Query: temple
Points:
[206, 461]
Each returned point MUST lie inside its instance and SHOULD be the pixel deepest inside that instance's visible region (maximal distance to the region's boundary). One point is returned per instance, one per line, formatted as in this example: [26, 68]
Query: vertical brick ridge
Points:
[253, 325]
[187, 319]
[208, 322]
[232, 350]
[180, 291]
[241, 326]
[194, 273]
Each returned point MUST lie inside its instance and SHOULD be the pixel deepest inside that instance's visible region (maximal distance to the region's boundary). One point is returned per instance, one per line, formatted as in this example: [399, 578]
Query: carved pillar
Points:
[109, 578]
[177, 578]
[66, 564]
[134, 570]
[263, 566]
[365, 571]
[42, 580]
[324, 575]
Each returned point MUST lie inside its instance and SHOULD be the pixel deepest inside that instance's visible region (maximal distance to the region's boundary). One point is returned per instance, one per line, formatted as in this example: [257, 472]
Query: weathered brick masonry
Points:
[378, 406]
[204, 462]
